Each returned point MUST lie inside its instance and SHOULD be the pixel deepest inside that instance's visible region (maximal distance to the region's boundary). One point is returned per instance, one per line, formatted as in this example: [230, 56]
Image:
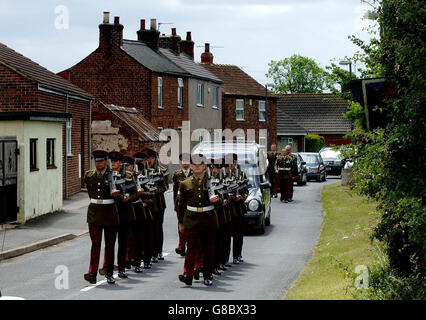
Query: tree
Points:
[297, 74]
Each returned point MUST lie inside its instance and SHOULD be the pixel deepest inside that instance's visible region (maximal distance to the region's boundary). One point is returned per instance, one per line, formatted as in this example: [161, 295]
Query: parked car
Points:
[301, 170]
[315, 166]
[333, 161]
[252, 161]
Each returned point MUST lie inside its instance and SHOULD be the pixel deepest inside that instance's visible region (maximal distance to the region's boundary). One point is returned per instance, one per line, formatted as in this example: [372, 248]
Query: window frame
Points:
[200, 94]
[180, 93]
[160, 93]
[50, 149]
[68, 138]
[33, 154]
[239, 109]
[260, 102]
[215, 98]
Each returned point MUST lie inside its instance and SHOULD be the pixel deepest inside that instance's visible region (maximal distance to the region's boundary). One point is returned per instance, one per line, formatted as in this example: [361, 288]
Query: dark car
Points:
[314, 165]
[301, 170]
[333, 161]
[252, 161]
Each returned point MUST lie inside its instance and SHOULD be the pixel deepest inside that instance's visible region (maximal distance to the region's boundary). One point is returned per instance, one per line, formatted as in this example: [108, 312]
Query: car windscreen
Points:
[331, 154]
[251, 172]
[310, 159]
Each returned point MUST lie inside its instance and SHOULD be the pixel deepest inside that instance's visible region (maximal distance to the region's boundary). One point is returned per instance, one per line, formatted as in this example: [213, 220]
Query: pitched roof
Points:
[287, 126]
[320, 113]
[32, 70]
[135, 121]
[236, 81]
[150, 59]
[187, 64]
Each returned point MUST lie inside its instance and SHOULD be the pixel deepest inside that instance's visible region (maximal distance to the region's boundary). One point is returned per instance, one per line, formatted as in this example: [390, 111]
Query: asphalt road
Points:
[272, 262]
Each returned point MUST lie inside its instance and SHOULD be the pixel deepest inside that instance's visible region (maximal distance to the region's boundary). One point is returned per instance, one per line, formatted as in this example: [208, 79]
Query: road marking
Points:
[115, 276]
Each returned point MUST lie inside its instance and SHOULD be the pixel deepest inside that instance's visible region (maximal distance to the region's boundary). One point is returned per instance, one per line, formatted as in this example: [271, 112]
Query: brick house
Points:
[136, 74]
[316, 113]
[244, 102]
[34, 104]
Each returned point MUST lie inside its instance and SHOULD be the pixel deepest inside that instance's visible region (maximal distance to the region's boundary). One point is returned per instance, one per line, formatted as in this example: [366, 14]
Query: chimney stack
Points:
[171, 41]
[150, 37]
[187, 46]
[207, 56]
[110, 35]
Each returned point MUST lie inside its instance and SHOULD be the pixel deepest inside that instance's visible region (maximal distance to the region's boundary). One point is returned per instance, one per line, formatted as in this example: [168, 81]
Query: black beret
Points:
[150, 152]
[115, 156]
[100, 155]
[128, 159]
[140, 156]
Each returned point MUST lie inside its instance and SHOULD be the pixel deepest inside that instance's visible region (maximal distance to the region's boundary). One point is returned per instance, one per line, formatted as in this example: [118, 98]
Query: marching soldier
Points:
[125, 209]
[198, 221]
[102, 215]
[272, 157]
[240, 209]
[286, 169]
[160, 207]
[178, 176]
[147, 221]
[227, 225]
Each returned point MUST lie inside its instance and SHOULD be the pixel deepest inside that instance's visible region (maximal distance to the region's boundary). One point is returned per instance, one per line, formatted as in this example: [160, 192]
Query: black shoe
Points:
[208, 282]
[178, 250]
[160, 256]
[138, 269]
[90, 277]
[240, 259]
[217, 272]
[103, 271]
[128, 264]
[274, 196]
[122, 274]
[197, 275]
[290, 200]
[282, 200]
[235, 261]
[185, 279]
[228, 265]
[222, 267]
[110, 279]
[146, 265]
[285, 201]
[154, 259]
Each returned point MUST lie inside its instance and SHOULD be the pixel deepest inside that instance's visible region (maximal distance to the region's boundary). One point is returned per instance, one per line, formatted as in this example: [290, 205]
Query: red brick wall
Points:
[170, 116]
[251, 116]
[114, 78]
[17, 93]
[335, 140]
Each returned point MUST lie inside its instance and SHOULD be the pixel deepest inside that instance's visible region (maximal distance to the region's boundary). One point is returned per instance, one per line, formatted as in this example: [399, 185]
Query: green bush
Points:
[314, 143]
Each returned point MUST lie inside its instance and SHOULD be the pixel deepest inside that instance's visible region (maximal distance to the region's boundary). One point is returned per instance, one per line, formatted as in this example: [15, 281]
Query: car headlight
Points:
[253, 205]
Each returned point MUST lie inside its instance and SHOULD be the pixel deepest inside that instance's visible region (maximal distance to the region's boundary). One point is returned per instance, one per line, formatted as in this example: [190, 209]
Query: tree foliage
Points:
[297, 74]
[390, 161]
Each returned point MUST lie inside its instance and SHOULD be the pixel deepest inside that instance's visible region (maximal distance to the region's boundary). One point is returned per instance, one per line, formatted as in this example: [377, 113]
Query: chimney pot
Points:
[207, 47]
[116, 20]
[154, 24]
[173, 31]
[142, 24]
[188, 36]
[106, 17]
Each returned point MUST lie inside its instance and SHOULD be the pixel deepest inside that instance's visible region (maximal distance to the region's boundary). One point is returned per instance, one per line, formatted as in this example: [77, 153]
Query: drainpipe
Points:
[90, 136]
[66, 152]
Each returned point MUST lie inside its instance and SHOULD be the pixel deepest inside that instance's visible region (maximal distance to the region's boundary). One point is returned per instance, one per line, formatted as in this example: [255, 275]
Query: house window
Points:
[33, 155]
[200, 94]
[240, 109]
[180, 93]
[160, 92]
[69, 137]
[215, 98]
[262, 111]
[50, 153]
[263, 142]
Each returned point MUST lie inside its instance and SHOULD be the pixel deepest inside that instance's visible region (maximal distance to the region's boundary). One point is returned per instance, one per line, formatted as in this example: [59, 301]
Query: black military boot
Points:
[187, 279]
[90, 277]
[110, 279]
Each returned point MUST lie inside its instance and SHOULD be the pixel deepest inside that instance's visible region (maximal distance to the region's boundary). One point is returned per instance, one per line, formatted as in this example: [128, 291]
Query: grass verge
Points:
[344, 241]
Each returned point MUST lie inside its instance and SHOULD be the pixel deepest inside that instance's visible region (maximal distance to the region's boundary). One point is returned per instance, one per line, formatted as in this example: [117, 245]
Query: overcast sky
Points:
[250, 33]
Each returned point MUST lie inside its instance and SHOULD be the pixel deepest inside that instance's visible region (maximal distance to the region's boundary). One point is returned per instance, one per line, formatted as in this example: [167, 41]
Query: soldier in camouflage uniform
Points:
[102, 215]
[178, 176]
[198, 221]
[286, 168]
